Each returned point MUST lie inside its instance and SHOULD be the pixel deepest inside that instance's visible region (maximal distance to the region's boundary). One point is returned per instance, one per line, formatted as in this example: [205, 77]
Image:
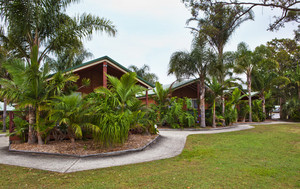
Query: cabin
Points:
[97, 70]
[186, 88]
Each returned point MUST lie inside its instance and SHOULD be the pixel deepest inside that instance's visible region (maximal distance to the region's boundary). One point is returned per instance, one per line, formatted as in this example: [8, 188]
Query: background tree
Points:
[45, 25]
[4, 56]
[289, 9]
[193, 64]
[264, 73]
[217, 24]
[68, 58]
[244, 64]
[144, 73]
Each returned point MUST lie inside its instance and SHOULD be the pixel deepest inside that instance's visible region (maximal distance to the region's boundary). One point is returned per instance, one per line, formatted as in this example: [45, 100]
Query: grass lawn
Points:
[265, 157]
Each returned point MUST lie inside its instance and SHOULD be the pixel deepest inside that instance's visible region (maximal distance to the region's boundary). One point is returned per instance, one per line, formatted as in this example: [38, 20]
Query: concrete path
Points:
[170, 144]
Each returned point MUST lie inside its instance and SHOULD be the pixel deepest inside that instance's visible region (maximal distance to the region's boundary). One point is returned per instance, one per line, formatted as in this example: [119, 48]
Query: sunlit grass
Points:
[265, 157]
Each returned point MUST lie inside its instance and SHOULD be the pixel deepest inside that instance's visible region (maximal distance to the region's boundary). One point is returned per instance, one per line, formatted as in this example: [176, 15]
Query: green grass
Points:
[265, 157]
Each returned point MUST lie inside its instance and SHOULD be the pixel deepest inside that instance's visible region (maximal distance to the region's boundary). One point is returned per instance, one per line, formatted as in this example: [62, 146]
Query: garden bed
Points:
[84, 148]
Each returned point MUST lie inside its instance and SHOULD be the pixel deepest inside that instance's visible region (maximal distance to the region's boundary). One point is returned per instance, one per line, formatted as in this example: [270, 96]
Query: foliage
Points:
[72, 112]
[46, 25]
[144, 73]
[177, 115]
[231, 113]
[21, 128]
[258, 114]
[292, 108]
[70, 57]
[122, 91]
[193, 64]
[288, 8]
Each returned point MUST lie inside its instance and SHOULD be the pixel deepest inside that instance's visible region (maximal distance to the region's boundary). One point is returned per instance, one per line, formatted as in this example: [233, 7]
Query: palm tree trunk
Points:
[31, 115]
[202, 102]
[71, 135]
[4, 115]
[223, 110]
[39, 134]
[250, 98]
[214, 114]
[264, 104]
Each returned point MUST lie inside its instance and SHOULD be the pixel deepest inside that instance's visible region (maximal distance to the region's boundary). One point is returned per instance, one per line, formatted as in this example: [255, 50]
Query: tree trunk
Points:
[202, 103]
[223, 110]
[264, 104]
[31, 116]
[214, 114]
[280, 111]
[250, 98]
[39, 134]
[40, 140]
[4, 115]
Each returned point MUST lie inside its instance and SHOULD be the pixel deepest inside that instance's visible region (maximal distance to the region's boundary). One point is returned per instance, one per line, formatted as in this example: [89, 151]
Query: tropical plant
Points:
[69, 58]
[45, 25]
[29, 88]
[72, 112]
[216, 89]
[177, 116]
[144, 73]
[234, 99]
[292, 108]
[244, 63]
[123, 91]
[216, 23]
[193, 64]
[258, 114]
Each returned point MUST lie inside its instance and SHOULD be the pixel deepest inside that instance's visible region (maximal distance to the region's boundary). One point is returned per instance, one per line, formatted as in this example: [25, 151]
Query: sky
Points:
[150, 31]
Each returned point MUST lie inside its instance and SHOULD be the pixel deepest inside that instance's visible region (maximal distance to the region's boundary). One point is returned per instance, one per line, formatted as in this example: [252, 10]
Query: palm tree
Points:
[69, 58]
[29, 88]
[123, 90]
[193, 64]
[4, 56]
[216, 90]
[217, 25]
[143, 72]
[71, 111]
[244, 63]
[44, 24]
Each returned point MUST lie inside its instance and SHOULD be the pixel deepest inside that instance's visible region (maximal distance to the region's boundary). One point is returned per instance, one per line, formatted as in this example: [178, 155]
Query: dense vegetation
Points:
[50, 106]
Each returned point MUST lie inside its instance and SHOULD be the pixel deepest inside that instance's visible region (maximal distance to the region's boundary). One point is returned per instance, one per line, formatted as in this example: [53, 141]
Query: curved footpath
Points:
[170, 144]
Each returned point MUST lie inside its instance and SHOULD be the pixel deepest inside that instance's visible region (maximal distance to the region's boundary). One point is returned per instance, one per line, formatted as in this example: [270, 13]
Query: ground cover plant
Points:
[264, 157]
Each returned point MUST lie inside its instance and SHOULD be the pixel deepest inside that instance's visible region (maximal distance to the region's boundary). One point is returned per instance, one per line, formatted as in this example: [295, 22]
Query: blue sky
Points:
[150, 31]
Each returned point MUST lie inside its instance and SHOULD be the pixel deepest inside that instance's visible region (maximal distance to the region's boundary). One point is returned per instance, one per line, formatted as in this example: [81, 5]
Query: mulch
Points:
[84, 147]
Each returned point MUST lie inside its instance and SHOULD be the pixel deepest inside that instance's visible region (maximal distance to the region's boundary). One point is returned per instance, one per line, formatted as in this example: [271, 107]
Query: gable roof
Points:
[176, 85]
[109, 61]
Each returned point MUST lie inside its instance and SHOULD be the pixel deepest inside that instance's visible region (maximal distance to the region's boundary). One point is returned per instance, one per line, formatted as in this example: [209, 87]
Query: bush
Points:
[176, 116]
[257, 111]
